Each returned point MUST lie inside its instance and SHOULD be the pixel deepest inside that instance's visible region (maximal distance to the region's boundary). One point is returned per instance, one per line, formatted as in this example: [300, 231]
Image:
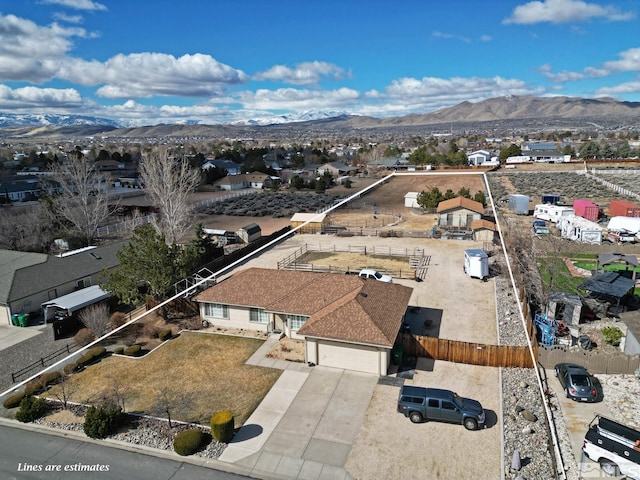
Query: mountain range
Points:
[495, 114]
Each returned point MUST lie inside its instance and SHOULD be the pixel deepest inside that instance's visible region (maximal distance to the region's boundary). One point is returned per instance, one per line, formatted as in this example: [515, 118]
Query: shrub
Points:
[165, 334]
[84, 337]
[150, 330]
[222, 426]
[612, 335]
[91, 355]
[118, 350]
[188, 442]
[132, 351]
[33, 387]
[117, 319]
[14, 400]
[31, 408]
[49, 378]
[70, 368]
[102, 420]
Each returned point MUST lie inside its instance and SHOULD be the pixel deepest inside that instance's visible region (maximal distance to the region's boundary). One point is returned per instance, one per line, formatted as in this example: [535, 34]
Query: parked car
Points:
[576, 382]
[368, 273]
[420, 404]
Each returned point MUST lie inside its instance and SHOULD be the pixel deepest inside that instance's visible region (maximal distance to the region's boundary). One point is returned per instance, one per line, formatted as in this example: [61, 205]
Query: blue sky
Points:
[219, 61]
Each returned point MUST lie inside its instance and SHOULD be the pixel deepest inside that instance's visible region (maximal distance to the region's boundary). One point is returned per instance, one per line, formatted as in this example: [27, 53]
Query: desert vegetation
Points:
[275, 204]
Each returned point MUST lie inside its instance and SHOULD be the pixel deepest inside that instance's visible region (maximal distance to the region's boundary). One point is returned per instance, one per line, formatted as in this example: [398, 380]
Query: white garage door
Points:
[348, 356]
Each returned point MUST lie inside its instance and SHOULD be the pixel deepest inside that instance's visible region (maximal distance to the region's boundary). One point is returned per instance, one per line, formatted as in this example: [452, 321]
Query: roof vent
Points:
[362, 294]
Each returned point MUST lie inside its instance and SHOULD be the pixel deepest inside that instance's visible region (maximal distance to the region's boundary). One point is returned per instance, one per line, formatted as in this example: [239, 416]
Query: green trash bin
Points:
[24, 319]
[396, 354]
[14, 320]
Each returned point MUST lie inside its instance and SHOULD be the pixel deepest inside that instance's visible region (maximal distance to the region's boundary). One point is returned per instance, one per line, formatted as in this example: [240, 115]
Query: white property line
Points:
[556, 445]
[314, 218]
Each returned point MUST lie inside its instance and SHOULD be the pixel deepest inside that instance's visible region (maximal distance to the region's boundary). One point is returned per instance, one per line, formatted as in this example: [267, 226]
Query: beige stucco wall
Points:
[460, 218]
[238, 318]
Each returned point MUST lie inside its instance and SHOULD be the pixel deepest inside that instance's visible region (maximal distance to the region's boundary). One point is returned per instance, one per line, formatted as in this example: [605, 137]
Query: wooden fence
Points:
[466, 352]
[595, 362]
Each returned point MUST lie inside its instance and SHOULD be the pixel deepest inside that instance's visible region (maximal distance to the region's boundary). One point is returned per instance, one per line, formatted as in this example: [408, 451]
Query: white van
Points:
[476, 263]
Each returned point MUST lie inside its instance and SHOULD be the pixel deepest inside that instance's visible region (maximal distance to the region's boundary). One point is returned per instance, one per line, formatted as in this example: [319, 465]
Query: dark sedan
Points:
[576, 382]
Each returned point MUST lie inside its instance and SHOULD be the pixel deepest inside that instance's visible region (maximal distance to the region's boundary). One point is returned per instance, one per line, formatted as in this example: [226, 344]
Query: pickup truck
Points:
[616, 447]
[422, 404]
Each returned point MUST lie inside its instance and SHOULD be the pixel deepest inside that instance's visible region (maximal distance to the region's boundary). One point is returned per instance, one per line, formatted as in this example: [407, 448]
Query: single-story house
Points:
[337, 169]
[32, 279]
[459, 212]
[317, 222]
[482, 157]
[249, 233]
[232, 168]
[231, 182]
[483, 230]
[411, 200]
[346, 322]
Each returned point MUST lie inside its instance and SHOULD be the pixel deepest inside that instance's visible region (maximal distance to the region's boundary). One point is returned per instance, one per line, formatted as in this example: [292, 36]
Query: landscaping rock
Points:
[527, 415]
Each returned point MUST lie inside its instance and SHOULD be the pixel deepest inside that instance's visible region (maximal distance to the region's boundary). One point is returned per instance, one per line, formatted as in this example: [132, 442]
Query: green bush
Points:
[222, 426]
[33, 387]
[102, 420]
[14, 400]
[118, 350]
[612, 335]
[133, 350]
[165, 334]
[49, 378]
[31, 408]
[91, 355]
[188, 442]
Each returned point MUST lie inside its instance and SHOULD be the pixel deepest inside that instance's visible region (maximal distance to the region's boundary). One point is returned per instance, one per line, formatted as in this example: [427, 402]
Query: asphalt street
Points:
[38, 455]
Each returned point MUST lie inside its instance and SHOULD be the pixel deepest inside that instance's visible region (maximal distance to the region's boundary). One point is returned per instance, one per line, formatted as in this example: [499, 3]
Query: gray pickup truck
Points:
[421, 404]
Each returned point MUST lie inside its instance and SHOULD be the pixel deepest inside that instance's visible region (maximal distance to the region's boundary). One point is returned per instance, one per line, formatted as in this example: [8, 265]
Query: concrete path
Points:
[10, 335]
[305, 427]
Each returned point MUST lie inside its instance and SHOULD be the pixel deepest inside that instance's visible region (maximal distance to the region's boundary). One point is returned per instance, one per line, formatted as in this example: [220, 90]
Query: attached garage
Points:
[360, 358]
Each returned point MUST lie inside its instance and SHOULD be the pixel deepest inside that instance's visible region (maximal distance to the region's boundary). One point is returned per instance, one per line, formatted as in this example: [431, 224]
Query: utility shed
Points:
[483, 230]
[411, 200]
[315, 222]
[519, 204]
[564, 307]
[632, 341]
[249, 233]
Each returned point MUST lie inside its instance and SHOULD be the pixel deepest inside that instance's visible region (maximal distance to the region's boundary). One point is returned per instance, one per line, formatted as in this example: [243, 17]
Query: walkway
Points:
[306, 425]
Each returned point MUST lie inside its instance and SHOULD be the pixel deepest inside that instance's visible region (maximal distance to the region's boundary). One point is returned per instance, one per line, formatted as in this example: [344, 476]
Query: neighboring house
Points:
[483, 230]
[459, 212]
[232, 168]
[107, 165]
[317, 222]
[21, 190]
[231, 182]
[390, 163]
[536, 146]
[30, 279]
[411, 200]
[337, 169]
[249, 233]
[346, 322]
[548, 156]
[258, 180]
[632, 338]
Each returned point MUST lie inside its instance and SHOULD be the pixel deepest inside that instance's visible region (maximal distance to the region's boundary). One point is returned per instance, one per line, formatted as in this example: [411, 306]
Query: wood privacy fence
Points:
[466, 352]
[593, 361]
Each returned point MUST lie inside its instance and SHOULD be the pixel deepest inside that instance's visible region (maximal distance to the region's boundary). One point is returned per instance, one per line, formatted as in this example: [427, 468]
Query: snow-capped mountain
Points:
[52, 120]
[309, 115]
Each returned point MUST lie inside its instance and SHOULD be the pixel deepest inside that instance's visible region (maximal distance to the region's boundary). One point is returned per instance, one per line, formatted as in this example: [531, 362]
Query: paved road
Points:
[24, 450]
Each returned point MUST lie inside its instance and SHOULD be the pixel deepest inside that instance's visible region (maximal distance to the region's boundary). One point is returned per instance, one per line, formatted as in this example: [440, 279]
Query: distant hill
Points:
[495, 114]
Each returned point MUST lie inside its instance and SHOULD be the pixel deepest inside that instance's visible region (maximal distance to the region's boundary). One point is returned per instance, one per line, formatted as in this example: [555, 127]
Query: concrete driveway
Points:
[305, 427]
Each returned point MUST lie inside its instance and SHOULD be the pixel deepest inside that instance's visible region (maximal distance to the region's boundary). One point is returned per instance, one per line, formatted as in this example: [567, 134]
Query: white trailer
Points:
[476, 263]
[624, 224]
[552, 213]
[578, 229]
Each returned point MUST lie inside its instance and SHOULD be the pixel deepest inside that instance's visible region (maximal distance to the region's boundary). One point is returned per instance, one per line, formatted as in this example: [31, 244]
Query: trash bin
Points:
[396, 354]
[14, 320]
[23, 319]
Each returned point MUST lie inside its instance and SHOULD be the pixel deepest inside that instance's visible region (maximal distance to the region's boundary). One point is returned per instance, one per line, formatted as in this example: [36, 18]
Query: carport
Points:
[608, 287]
[72, 302]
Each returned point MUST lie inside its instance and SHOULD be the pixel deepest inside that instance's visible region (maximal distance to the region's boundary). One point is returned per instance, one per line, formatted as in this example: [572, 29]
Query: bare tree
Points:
[96, 318]
[79, 196]
[116, 393]
[171, 402]
[27, 229]
[65, 389]
[168, 182]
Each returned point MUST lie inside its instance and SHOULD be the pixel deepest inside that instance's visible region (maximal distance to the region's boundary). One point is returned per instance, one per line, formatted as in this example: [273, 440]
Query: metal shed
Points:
[249, 233]
[519, 204]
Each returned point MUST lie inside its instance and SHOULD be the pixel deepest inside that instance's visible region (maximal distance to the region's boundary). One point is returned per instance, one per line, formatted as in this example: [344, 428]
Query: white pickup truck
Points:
[614, 446]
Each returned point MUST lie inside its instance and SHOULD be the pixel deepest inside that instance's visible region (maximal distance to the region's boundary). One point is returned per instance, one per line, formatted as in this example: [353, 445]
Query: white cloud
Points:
[449, 36]
[629, 62]
[294, 99]
[623, 88]
[31, 52]
[34, 97]
[564, 11]
[485, 38]
[144, 75]
[306, 73]
[63, 17]
[77, 4]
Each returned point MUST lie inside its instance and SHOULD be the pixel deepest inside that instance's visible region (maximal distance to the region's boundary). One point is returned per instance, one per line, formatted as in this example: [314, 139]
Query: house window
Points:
[258, 315]
[216, 310]
[296, 321]
[83, 283]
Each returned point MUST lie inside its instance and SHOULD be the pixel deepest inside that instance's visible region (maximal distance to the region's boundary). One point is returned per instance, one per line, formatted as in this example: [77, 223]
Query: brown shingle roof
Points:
[334, 303]
[479, 224]
[460, 202]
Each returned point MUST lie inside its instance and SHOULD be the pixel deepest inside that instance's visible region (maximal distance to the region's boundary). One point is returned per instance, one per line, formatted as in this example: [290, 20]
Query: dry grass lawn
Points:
[208, 368]
[356, 261]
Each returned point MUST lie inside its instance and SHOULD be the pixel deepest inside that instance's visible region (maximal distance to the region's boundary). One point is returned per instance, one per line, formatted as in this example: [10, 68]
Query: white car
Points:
[367, 273]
